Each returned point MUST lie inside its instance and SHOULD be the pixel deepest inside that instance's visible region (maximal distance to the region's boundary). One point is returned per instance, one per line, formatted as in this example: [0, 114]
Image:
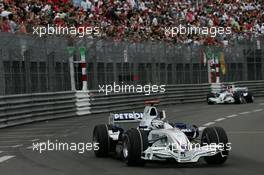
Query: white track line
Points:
[220, 119]
[227, 117]
[16, 137]
[261, 104]
[246, 132]
[257, 110]
[29, 147]
[73, 133]
[231, 116]
[5, 158]
[11, 141]
[209, 123]
[16, 146]
[1, 152]
[7, 146]
[243, 113]
[34, 140]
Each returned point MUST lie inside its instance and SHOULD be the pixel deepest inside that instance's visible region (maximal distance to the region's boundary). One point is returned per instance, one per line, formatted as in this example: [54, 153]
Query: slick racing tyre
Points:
[100, 136]
[249, 98]
[239, 99]
[134, 143]
[211, 95]
[215, 135]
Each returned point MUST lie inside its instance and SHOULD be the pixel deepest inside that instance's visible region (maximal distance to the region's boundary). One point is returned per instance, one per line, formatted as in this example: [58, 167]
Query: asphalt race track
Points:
[243, 123]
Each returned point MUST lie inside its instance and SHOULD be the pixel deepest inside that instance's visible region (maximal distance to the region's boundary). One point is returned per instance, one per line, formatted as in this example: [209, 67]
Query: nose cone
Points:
[180, 140]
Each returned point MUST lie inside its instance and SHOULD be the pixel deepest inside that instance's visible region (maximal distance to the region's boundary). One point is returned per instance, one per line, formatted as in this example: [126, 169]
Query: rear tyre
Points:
[239, 99]
[101, 137]
[215, 135]
[249, 98]
[134, 143]
[210, 96]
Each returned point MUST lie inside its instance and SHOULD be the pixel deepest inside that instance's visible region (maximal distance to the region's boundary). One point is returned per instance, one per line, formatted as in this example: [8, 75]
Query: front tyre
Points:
[135, 142]
[215, 135]
[238, 97]
[101, 137]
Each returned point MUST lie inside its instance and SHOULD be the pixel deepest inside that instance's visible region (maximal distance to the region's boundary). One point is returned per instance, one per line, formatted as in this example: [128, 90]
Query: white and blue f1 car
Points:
[138, 137]
[231, 95]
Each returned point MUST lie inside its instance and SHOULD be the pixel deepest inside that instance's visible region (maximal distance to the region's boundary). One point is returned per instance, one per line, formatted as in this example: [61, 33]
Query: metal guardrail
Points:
[27, 108]
[83, 105]
[257, 87]
[174, 94]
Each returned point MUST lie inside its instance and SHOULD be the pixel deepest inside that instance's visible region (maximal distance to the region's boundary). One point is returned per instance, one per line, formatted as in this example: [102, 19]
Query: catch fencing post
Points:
[71, 64]
[209, 67]
[83, 66]
[217, 71]
[27, 57]
[2, 74]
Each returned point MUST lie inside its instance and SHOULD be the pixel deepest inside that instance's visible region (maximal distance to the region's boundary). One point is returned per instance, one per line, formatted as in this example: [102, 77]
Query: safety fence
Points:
[30, 64]
[28, 108]
[174, 94]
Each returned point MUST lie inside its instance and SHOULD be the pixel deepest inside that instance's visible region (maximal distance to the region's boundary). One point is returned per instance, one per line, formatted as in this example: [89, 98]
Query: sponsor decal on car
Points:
[128, 116]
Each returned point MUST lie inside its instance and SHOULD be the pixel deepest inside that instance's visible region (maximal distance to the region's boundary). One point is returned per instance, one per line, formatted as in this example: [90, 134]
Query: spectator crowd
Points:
[138, 20]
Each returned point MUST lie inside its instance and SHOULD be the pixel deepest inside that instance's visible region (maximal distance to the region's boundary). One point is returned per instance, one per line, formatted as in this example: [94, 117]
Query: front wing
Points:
[181, 156]
[218, 101]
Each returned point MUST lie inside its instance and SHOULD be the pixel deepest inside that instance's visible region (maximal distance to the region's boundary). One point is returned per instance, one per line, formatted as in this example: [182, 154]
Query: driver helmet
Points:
[157, 124]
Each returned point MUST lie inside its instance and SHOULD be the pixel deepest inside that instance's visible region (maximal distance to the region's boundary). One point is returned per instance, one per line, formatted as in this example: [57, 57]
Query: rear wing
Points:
[130, 117]
[234, 88]
[243, 89]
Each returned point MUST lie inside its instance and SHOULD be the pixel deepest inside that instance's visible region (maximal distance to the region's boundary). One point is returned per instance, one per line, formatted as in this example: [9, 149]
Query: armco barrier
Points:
[27, 108]
[257, 87]
[99, 102]
[83, 105]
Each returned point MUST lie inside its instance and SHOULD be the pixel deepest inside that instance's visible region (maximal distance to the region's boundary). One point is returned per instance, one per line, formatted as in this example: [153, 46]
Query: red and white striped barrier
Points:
[84, 76]
[217, 71]
[84, 69]
[214, 71]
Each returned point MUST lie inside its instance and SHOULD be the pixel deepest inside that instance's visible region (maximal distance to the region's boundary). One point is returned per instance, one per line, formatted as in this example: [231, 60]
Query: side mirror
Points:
[162, 115]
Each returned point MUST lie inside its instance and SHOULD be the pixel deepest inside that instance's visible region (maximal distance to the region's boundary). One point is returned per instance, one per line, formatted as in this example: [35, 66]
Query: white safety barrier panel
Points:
[174, 94]
[28, 108]
[83, 103]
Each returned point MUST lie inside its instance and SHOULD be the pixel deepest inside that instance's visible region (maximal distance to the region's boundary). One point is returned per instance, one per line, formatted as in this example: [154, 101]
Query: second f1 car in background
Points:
[231, 95]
